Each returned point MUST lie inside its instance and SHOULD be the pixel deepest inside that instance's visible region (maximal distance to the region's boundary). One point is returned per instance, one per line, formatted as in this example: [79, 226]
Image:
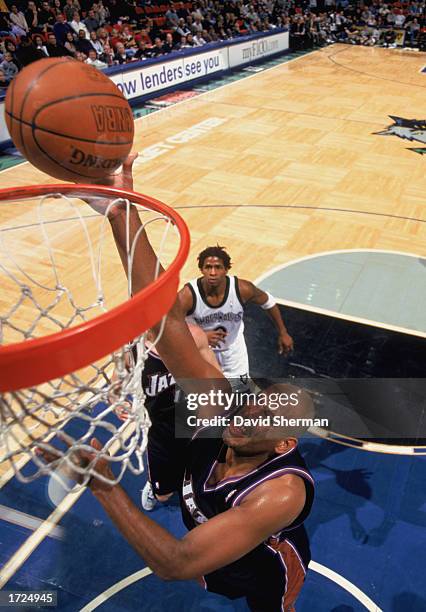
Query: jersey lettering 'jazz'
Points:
[156, 383]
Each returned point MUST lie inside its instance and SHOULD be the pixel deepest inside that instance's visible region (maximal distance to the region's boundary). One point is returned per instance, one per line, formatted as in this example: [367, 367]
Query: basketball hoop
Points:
[72, 341]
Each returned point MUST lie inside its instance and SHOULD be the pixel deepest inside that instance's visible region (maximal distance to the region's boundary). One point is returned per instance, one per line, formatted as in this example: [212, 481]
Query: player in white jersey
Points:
[216, 303]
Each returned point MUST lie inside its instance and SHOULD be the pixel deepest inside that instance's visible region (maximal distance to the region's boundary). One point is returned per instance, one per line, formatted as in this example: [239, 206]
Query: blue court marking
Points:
[384, 287]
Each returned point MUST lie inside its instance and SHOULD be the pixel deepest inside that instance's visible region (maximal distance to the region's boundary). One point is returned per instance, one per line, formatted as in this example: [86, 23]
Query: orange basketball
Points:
[69, 119]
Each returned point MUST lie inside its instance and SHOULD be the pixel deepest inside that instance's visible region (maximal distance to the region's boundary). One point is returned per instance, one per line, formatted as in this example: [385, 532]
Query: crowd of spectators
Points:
[108, 32]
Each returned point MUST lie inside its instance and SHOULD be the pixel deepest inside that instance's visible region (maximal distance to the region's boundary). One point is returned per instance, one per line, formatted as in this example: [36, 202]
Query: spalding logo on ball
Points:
[69, 119]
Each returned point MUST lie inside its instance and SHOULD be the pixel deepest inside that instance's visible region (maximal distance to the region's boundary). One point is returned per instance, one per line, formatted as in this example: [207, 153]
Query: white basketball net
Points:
[46, 290]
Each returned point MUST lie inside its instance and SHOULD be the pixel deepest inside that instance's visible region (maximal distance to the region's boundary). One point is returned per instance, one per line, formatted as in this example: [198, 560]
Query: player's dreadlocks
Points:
[215, 251]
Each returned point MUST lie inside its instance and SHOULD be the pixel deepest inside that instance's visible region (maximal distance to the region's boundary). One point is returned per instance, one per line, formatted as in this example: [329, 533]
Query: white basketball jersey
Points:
[232, 352]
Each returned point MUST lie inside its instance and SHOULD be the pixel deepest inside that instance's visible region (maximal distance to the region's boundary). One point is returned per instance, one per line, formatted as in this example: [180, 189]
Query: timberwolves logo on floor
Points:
[409, 129]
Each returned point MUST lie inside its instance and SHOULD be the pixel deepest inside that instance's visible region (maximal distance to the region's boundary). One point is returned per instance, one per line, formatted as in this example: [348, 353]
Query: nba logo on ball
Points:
[69, 119]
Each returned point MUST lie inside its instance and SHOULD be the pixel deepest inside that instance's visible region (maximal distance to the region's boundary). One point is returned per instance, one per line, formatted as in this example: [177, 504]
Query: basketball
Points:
[69, 119]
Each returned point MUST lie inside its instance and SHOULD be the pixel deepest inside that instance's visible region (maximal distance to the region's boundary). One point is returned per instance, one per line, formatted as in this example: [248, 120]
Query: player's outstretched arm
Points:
[250, 293]
[214, 544]
[211, 545]
[176, 345]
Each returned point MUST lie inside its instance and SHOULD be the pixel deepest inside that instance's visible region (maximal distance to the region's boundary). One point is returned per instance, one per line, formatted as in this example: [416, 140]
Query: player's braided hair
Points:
[215, 251]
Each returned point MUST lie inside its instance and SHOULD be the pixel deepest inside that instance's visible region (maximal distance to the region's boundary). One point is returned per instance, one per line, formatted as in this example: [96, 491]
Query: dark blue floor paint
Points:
[367, 525]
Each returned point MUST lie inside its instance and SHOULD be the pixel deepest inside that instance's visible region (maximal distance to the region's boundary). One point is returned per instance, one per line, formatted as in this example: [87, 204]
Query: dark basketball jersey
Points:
[159, 387]
[165, 453]
[261, 574]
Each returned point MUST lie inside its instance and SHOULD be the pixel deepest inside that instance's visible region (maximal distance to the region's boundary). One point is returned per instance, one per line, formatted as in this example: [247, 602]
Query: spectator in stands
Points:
[70, 43]
[182, 44]
[222, 35]
[389, 38]
[209, 21]
[17, 18]
[82, 44]
[102, 12]
[158, 48]
[198, 39]
[8, 66]
[103, 35]
[153, 29]
[182, 29]
[190, 41]
[80, 57]
[168, 46]
[196, 12]
[120, 56]
[9, 46]
[298, 33]
[71, 6]
[4, 81]
[182, 12]
[96, 43]
[108, 54]
[55, 49]
[77, 25]
[91, 21]
[399, 19]
[212, 35]
[45, 16]
[5, 25]
[206, 36]
[172, 16]
[39, 43]
[197, 25]
[31, 16]
[127, 34]
[116, 36]
[142, 52]
[413, 29]
[128, 39]
[26, 53]
[93, 60]
[57, 7]
[61, 29]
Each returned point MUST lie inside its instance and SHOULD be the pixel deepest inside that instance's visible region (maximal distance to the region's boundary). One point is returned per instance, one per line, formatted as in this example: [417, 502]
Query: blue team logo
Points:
[408, 129]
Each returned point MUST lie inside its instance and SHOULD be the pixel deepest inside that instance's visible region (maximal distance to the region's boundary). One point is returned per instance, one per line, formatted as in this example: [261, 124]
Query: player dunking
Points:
[216, 302]
[244, 497]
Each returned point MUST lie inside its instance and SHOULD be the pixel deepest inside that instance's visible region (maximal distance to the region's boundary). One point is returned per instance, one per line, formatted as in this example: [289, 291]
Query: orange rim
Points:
[32, 362]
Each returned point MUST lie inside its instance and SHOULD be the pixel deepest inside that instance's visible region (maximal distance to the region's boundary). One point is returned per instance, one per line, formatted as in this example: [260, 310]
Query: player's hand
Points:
[83, 458]
[122, 179]
[285, 344]
[216, 337]
[121, 406]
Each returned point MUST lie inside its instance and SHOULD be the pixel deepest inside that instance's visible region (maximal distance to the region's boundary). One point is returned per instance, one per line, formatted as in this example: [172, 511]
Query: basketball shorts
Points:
[165, 457]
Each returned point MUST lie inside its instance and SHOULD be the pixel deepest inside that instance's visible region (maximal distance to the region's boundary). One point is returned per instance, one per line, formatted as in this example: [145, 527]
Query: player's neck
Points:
[211, 291]
[240, 464]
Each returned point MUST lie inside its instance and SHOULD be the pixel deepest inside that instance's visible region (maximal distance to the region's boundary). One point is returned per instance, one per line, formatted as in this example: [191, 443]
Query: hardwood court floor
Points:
[294, 140]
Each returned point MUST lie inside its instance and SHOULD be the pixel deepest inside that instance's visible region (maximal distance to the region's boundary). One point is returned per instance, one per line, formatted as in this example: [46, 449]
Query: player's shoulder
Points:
[245, 288]
[288, 489]
[187, 298]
